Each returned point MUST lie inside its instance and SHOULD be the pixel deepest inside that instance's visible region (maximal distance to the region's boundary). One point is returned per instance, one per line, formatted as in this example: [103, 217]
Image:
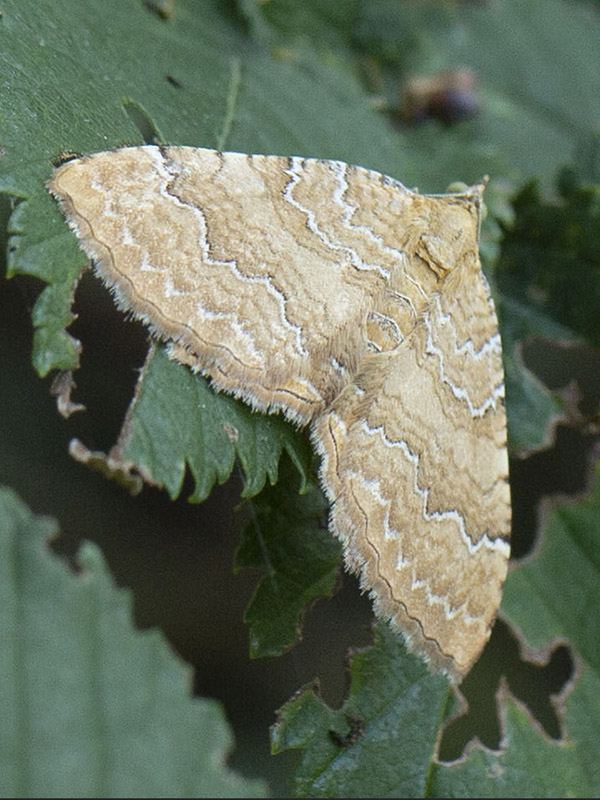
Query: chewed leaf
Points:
[175, 420]
[286, 538]
[381, 742]
[92, 707]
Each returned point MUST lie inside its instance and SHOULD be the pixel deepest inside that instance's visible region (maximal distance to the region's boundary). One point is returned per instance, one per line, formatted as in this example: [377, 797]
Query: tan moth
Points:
[338, 296]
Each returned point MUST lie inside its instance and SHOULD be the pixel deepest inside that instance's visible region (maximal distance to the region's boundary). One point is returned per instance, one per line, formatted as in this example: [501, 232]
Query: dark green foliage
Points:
[550, 256]
[318, 79]
[176, 421]
[390, 722]
[90, 706]
[287, 538]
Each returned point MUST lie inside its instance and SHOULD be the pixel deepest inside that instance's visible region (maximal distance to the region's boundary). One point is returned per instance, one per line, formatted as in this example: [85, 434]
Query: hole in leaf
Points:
[174, 82]
[142, 121]
[113, 347]
[557, 366]
[534, 684]
[564, 469]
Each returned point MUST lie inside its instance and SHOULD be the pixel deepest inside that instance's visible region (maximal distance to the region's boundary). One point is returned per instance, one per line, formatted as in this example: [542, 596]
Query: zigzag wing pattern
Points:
[338, 296]
[418, 479]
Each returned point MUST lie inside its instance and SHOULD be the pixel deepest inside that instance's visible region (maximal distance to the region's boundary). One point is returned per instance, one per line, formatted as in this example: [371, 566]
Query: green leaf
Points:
[92, 707]
[72, 82]
[365, 748]
[542, 598]
[536, 66]
[326, 24]
[548, 285]
[243, 98]
[70, 72]
[381, 742]
[203, 84]
[548, 604]
[551, 254]
[531, 766]
[85, 76]
[342, 753]
[531, 409]
[176, 420]
[287, 538]
[409, 36]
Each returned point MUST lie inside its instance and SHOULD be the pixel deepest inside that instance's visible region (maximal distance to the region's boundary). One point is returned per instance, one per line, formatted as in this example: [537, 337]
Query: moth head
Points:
[452, 239]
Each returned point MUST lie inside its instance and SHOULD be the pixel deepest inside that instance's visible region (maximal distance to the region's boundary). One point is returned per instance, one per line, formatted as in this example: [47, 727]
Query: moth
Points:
[335, 295]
